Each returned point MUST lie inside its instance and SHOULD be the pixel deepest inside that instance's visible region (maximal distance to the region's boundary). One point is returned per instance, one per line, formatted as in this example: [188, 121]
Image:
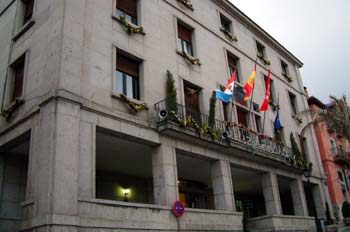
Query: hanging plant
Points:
[187, 3]
[212, 106]
[136, 107]
[171, 94]
[130, 28]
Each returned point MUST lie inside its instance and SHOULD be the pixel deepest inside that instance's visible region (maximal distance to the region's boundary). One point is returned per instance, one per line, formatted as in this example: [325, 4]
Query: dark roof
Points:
[314, 101]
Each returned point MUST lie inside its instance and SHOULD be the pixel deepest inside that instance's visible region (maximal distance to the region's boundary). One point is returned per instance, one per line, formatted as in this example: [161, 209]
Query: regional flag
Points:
[249, 86]
[265, 104]
[226, 95]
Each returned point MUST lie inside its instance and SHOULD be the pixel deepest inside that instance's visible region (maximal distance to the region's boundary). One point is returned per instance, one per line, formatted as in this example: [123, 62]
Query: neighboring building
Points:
[335, 154]
[78, 156]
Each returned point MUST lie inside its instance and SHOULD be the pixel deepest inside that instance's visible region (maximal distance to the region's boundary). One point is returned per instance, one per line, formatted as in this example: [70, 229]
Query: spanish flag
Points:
[249, 86]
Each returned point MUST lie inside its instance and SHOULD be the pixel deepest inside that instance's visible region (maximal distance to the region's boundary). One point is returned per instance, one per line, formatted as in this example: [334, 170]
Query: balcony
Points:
[224, 136]
[342, 157]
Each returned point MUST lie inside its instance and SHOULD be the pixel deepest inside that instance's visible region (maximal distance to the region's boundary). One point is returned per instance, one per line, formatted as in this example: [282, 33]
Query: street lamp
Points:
[307, 174]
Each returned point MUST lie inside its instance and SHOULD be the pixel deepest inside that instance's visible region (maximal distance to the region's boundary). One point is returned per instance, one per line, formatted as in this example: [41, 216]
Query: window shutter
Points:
[128, 6]
[184, 33]
[127, 65]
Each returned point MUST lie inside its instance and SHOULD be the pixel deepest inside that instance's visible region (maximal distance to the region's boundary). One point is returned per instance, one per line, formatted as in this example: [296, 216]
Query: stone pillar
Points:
[55, 150]
[271, 194]
[164, 175]
[319, 200]
[299, 201]
[222, 185]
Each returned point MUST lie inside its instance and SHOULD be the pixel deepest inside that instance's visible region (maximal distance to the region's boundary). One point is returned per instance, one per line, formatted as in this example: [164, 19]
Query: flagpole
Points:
[263, 129]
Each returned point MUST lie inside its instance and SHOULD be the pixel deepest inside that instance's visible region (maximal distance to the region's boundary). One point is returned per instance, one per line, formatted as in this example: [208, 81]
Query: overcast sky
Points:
[315, 31]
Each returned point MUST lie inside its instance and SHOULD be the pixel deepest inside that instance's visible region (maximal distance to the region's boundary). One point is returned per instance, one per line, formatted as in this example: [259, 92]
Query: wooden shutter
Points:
[127, 65]
[18, 81]
[184, 33]
[128, 6]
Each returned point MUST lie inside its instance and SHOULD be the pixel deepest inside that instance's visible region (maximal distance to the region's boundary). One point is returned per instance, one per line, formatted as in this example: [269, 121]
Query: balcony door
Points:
[191, 94]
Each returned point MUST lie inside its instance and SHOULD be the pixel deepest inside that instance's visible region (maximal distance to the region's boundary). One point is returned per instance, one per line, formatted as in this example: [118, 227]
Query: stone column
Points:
[55, 150]
[299, 201]
[319, 200]
[164, 175]
[222, 185]
[271, 194]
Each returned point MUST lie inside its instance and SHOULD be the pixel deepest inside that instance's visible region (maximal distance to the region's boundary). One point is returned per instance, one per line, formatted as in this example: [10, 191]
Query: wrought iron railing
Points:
[229, 131]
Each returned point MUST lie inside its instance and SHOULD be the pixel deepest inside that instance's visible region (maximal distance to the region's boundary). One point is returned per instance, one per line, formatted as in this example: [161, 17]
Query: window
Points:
[261, 50]
[242, 117]
[293, 103]
[272, 88]
[16, 78]
[232, 65]
[303, 145]
[184, 39]
[340, 176]
[258, 123]
[225, 23]
[128, 9]
[27, 6]
[127, 77]
[333, 147]
[285, 71]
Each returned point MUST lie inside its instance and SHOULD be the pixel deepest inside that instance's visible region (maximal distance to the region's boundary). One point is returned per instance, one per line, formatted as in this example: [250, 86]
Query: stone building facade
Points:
[76, 155]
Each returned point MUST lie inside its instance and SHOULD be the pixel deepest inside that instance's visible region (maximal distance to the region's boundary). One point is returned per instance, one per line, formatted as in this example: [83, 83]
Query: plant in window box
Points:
[130, 27]
[136, 107]
[187, 3]
[7, 112]
[289, 78]
[266, 61]
[229, 34]
[299, 119]
[190, 58]
[273, 105]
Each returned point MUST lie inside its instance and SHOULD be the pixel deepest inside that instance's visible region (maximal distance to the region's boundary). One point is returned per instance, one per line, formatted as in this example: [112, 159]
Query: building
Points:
[335, 155]
[76, 155]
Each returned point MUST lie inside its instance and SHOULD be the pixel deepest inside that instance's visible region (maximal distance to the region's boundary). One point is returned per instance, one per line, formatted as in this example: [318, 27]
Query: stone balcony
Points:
[181, 122]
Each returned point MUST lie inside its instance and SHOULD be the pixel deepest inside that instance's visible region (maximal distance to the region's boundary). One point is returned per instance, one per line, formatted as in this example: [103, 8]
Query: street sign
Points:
[178, 208]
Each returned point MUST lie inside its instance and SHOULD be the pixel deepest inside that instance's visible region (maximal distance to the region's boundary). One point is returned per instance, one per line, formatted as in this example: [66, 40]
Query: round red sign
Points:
[178, 208]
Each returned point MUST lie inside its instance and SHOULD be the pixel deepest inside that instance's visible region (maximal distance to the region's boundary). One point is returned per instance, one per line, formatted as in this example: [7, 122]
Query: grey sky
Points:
[315, 31]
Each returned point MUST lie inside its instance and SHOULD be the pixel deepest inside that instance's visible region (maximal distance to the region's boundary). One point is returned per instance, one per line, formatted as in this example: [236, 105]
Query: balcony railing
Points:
[223, 131]
[342, 157]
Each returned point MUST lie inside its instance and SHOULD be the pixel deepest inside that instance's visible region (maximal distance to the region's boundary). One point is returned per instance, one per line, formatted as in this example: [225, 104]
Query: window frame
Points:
[128, 17]
[224, 20]
[229, 56]
[9, 85]
[138, 78]
[181, 44]
[22, 26]
[293, 103]
[284, 68]
[259, 46]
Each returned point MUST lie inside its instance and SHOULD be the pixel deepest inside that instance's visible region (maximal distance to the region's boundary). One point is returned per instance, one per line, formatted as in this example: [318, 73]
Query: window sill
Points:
[128, 26]
[23, 29]
[229, 35]
[10, 108]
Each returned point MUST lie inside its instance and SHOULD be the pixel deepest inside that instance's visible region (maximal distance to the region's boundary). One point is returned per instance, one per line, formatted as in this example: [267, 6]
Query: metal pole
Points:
[263, 129]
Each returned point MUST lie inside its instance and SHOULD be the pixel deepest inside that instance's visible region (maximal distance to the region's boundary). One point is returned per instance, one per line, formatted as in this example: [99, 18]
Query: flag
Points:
[226, 95]
[265, 104]
[249, 86]
[277, 123]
